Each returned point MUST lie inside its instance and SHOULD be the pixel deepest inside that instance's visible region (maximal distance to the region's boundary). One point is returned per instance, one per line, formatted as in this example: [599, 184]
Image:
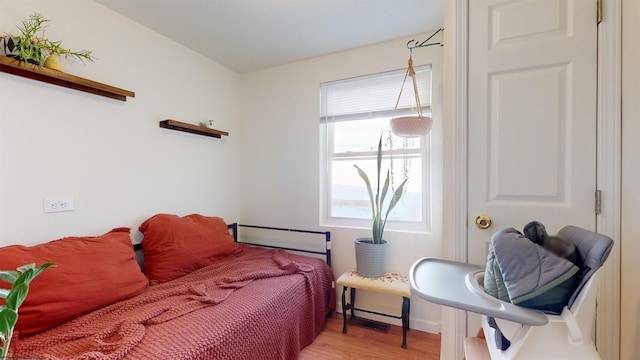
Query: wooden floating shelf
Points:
[40, 73]
[193, 129]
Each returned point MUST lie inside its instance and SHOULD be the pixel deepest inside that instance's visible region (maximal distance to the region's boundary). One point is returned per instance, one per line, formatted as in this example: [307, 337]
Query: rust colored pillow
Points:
[90, 273]
[175, 246]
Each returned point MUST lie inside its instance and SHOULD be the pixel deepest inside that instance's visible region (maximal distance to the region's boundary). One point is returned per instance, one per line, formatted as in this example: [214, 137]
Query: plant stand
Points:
[389, 283]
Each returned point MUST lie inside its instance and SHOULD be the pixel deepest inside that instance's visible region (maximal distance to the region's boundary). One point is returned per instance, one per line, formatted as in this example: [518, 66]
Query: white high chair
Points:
[532, 333]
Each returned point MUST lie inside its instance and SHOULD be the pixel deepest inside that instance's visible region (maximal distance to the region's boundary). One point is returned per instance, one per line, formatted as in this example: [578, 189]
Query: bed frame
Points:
[327, 238]
[292, 314]
[233, 228]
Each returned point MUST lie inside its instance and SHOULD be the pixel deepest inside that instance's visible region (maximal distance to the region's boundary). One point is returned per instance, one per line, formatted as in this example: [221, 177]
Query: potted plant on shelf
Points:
[31, 45]
[370, 251]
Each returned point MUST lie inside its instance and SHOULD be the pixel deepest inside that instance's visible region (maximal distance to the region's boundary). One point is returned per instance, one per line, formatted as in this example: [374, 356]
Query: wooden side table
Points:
[389, 283]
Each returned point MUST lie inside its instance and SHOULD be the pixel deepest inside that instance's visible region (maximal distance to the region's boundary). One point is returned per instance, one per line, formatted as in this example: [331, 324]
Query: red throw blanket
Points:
[257, 304]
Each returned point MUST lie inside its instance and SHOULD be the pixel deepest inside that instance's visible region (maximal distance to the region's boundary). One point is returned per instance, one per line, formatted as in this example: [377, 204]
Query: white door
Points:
[532, 116]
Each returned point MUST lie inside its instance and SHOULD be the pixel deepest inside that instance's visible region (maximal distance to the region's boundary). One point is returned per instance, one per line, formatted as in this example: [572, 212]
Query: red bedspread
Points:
[259, 304]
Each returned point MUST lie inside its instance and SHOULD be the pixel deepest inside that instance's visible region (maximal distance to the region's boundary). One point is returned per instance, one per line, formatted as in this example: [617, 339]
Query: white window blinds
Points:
[374, 96]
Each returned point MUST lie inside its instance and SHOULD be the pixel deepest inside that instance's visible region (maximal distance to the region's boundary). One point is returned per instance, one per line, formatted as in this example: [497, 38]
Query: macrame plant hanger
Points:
[415, 125]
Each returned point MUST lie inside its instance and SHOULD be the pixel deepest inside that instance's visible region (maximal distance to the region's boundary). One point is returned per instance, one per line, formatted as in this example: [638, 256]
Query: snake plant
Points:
[377, 201]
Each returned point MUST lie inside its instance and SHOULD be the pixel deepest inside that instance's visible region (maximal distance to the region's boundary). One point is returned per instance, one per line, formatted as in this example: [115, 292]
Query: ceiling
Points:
[249, 35]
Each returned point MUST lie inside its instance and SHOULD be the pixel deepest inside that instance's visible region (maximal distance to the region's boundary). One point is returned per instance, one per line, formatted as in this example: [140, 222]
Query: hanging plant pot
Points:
[370, 257]
[411, 126]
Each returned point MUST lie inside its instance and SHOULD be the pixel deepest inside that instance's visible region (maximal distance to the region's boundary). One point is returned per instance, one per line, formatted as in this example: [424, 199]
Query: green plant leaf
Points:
[9, 276]
[26, 267]
[385, 189]
[17, 295]
[379, 158]
[24, 278]
[378, 229]
[31, 273]
[42, 268]
[8, 319]
[364, 177]
[397, 195]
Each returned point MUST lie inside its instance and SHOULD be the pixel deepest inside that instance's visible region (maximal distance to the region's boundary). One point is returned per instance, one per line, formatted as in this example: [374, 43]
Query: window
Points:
[354, 114]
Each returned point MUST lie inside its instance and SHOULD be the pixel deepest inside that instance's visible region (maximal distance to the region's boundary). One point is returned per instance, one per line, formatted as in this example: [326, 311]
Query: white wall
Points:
[280, 168]
[121, 168]
[630, 242]
[111, 156]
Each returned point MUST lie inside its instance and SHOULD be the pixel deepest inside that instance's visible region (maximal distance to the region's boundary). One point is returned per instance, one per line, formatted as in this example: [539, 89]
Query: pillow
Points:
[90, 273]
[175, 246]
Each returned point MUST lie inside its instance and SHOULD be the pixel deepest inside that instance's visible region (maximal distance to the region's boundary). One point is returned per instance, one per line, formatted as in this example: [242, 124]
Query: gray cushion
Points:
[493, 281]
[593, 248]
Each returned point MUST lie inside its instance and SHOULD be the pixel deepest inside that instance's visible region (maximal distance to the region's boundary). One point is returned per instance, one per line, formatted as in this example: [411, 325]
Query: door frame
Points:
[608, 174]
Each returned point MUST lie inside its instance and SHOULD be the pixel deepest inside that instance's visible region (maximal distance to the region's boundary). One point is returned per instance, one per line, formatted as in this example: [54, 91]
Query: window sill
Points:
[401, 228]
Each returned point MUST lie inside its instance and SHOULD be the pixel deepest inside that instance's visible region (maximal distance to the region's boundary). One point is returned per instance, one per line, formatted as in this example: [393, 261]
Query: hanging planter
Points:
[411, 126]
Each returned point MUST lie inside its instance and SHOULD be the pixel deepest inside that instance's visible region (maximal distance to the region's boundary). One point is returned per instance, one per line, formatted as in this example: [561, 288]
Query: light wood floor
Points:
[363, 343]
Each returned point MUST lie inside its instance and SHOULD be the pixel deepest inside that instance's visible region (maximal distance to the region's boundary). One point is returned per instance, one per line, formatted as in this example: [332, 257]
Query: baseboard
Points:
[425, 325]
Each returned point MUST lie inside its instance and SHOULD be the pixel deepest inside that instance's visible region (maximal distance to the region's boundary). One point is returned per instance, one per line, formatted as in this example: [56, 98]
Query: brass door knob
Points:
[483, 222]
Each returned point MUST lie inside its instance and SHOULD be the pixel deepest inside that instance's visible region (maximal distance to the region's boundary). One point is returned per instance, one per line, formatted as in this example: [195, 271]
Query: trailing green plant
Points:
[377, 202]
[32, 46]
[19, 280]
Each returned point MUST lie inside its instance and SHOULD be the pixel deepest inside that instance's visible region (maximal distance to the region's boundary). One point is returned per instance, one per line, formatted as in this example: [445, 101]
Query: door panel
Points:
[543, 19]
[532, 116]
[527, 142]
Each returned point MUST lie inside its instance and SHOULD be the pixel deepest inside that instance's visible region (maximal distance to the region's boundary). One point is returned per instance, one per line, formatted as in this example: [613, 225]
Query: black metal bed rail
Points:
[327, 234]
[234, 231]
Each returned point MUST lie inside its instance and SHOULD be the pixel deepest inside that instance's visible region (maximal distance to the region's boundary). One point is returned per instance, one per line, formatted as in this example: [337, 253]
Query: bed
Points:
[252, 303]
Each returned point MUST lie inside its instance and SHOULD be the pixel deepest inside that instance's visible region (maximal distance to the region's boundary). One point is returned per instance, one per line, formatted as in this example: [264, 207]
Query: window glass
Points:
[350, 137]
